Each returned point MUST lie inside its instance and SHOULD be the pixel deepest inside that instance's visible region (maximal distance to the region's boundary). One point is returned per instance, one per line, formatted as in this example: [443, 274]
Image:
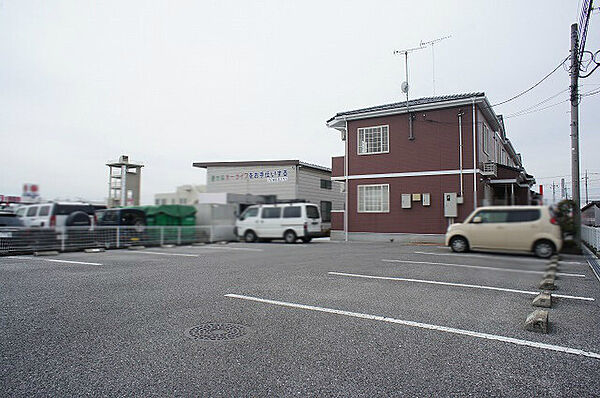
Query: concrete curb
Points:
[543, 300]
[537, 321]
[198, 244]
[136, 247]
[167, 246]
[46, 253]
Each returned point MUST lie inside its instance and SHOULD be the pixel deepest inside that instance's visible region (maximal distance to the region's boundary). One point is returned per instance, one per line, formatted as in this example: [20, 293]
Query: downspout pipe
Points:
[460, 151]
[346, 187]
[474, 157]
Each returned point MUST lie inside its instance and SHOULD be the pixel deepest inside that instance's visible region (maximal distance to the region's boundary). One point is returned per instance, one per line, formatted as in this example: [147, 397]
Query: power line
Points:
[534, 86]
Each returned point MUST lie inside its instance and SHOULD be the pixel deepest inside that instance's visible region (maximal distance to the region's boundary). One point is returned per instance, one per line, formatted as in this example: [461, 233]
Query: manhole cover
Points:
[216, 331]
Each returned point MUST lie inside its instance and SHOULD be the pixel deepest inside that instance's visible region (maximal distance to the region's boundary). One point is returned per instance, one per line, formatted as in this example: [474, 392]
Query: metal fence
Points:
[14, 240]
[591, 236]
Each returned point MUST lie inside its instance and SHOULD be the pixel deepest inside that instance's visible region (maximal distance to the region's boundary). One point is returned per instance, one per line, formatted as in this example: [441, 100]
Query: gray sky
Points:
[169, 83]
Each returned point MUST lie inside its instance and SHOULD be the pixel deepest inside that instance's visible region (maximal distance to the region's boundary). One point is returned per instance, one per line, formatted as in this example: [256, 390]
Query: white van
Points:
[288, 221]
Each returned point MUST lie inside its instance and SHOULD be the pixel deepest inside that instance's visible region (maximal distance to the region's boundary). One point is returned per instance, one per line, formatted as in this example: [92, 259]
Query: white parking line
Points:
[230, 248]
[501, 289]
[166, 254]
[52, 260]
[421, 325]
[494, 256]
[480, 267]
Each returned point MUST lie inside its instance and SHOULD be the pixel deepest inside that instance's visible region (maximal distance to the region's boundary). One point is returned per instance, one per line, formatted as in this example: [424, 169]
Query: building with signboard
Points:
[284, 179]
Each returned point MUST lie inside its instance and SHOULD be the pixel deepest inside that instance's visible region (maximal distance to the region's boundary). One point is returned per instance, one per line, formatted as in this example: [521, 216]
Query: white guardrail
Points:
[15, 240]
[591, 236]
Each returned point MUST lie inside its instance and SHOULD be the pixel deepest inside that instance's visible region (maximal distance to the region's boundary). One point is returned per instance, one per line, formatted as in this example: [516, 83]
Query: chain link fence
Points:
[17, 240]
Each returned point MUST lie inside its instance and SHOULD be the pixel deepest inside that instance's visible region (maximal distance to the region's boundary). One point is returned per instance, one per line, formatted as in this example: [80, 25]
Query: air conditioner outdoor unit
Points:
[489, 169]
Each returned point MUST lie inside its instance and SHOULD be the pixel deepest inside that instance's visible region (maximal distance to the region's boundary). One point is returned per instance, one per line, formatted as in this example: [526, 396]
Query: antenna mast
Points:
[405, 53]
[432, 44]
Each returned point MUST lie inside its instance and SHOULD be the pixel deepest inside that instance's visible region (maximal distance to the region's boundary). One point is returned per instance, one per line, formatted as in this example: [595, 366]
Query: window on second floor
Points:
[373, 140]
[325, 184]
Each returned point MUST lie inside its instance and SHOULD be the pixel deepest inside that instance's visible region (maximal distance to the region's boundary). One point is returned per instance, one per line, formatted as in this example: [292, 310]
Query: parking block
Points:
[537, 321]
[46, 253]
[136, 247]
[543, 300]
[547, 284]
[95, 250]
[550, 274]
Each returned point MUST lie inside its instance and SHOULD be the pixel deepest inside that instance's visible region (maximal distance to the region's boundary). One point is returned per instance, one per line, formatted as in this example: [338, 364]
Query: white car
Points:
[507, 228]
[288, 221]
[57, 214]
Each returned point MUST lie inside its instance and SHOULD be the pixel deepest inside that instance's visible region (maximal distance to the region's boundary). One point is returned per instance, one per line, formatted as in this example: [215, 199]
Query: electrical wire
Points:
[534, 86]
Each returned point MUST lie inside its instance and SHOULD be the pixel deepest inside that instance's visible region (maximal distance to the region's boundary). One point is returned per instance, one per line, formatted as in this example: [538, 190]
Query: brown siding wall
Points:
[435, 146]
[337, 166]
[419, 218]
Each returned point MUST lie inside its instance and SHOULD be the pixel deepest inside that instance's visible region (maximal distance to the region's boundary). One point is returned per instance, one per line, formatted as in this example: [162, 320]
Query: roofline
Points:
[591, 204]
[400, 109]
[288, 162]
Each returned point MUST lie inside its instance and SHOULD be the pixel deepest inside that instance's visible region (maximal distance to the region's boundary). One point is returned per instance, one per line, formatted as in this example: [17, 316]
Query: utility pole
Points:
[563, 189]
[553, 192]
[575, 134]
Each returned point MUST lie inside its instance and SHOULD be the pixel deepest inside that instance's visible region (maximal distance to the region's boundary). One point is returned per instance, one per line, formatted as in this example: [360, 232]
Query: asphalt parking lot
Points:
[318, 319]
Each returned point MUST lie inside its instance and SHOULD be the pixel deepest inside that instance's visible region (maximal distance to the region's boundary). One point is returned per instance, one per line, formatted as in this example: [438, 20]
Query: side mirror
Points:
[477, 220]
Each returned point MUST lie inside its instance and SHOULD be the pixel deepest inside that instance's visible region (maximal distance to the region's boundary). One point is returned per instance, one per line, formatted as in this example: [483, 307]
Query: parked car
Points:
[132, 223]
[507, 228]
[57, 214]
[288, 221]
[13, 237]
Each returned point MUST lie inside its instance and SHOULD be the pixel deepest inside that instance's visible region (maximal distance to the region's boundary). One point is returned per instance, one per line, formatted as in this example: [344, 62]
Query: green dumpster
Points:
[166, 216]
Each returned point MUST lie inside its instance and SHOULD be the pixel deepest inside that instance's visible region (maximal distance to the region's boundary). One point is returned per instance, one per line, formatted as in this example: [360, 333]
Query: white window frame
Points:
[381, 127]
[485, 133]
[383, 201]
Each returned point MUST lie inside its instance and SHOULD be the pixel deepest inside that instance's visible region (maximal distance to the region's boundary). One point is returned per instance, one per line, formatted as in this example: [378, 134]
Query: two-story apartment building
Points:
[414, 167]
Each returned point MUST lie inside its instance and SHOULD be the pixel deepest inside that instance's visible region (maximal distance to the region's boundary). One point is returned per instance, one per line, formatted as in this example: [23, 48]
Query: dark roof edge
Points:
[592, 203]
[288, 162]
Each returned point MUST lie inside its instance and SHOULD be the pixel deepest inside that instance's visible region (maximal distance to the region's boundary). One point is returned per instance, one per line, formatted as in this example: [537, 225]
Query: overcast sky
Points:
[173, 82]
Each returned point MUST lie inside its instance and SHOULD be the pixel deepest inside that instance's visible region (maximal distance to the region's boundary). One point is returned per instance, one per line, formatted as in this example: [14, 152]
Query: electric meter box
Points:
[450, 205]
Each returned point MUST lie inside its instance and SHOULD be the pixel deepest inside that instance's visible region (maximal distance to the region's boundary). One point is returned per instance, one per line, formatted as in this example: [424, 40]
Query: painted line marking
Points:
[52, 260]
[500, 289]
[166, 254]
[421, 325]
[495, 256]
[480, 267]
[230, 248]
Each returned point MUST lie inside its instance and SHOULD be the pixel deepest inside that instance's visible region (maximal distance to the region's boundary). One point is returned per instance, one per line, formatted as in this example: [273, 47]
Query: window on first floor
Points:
[373, 140]
[156, 201]
[325, 211]
[374, 198]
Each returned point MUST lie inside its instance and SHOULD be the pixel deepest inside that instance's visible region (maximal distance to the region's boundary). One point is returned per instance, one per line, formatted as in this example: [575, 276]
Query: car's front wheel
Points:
[543, 248]
[458, 244]
[250, 236]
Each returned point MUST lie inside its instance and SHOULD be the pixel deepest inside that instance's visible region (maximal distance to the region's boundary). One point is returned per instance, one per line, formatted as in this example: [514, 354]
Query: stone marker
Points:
[537, 321]
[555, 258]
[543, 299]
[547, 283]
[46, 253]
[136, 247]
[95, 250]
[553, 266]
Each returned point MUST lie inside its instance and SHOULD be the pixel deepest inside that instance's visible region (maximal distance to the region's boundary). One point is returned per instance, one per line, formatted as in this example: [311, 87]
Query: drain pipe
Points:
[474, 158]
[346, 187]
[460, 151]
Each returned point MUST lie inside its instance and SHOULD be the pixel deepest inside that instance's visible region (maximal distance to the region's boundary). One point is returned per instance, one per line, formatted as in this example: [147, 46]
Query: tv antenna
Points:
[432, 44]
[405, 86]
